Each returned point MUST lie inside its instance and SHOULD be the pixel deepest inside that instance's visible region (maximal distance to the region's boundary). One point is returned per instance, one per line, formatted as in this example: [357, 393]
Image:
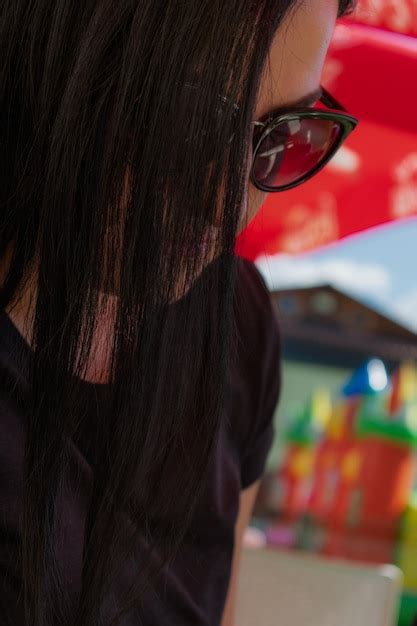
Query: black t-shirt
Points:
[194, 588]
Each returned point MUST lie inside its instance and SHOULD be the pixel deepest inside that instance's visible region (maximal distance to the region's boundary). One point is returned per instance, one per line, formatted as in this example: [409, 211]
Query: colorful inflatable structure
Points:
[349, 473]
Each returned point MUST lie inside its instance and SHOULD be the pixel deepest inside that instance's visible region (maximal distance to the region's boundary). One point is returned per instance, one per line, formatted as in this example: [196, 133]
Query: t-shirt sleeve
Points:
[263, 376]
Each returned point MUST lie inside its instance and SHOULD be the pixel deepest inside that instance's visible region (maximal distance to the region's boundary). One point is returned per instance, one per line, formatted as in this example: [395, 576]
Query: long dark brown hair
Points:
[124, 136]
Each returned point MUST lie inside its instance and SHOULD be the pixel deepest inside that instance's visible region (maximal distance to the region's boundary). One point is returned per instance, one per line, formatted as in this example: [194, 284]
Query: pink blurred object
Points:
[281, 536]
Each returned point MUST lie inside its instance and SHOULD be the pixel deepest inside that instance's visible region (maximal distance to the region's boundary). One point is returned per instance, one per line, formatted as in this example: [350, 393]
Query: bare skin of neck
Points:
[22, 307]
[21, 311]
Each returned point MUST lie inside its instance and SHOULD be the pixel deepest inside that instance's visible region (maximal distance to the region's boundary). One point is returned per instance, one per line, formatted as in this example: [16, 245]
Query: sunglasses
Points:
[291, 146]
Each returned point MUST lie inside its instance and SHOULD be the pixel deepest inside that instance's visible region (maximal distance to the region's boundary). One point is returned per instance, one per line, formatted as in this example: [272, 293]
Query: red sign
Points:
[396, 15]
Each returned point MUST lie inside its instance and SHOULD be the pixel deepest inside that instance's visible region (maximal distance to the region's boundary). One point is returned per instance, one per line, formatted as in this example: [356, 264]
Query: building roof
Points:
[323, 324]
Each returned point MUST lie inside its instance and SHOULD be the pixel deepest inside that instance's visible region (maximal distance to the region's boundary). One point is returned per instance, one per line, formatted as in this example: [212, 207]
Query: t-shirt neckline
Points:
[16, 344]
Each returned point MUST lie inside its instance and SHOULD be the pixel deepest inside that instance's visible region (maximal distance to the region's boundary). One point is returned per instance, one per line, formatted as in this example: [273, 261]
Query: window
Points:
[324, 303]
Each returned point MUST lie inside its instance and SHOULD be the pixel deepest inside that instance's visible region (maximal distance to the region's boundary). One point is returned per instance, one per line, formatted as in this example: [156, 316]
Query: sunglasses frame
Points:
[270, 121]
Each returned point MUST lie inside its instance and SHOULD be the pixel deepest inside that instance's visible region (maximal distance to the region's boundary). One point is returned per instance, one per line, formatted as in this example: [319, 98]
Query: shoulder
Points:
[250, 278]
[255, 370]
[255, 311]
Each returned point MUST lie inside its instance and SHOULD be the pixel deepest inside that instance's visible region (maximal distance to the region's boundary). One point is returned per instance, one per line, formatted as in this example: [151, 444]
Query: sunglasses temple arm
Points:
[330, 101]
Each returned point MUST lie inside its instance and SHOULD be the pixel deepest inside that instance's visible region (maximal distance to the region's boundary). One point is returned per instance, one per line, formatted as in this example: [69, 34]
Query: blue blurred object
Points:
[371, 378]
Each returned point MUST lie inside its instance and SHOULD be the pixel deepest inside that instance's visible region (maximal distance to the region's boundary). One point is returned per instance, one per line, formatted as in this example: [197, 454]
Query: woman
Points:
[139, 356]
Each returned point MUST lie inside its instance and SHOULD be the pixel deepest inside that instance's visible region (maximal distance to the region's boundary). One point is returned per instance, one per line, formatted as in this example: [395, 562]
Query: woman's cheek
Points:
[253, 200]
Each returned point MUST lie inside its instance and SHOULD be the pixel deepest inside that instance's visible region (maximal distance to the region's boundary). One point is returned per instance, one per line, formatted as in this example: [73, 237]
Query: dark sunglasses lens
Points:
[294, 149]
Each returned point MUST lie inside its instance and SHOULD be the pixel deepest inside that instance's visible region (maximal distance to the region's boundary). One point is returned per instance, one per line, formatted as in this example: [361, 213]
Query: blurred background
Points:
[339, 255]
